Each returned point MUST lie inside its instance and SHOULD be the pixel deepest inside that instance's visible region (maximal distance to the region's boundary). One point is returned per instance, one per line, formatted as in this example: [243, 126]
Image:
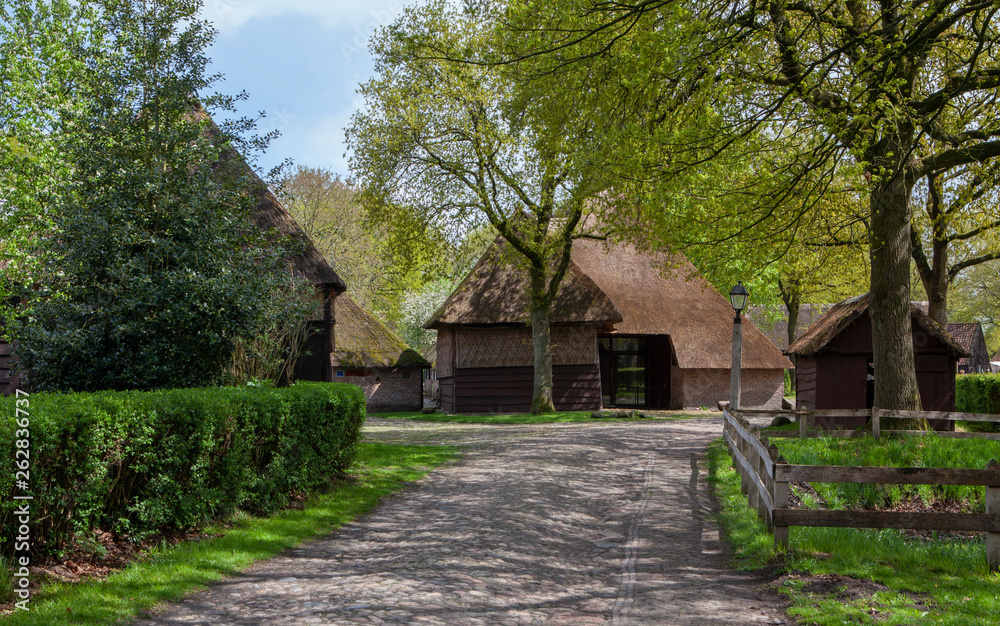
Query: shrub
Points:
[139, 463]
[977, 393]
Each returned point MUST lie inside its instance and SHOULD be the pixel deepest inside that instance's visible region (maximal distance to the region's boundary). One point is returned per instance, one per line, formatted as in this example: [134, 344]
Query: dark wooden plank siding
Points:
[447, 386]
[509, 389]
[805, 383]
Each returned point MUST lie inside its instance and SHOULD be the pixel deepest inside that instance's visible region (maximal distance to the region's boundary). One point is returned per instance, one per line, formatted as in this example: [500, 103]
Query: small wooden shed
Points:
[970, 336]
[835, 361]
[623, 335]
[370, 355]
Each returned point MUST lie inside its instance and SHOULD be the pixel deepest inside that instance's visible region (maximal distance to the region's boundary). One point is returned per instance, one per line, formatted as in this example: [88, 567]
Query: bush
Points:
[977, 393]
[139, 463]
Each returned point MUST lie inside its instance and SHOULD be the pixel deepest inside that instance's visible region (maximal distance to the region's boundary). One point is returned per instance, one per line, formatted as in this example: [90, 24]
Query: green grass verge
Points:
[940, 581]
[569, 417]
[170, 572]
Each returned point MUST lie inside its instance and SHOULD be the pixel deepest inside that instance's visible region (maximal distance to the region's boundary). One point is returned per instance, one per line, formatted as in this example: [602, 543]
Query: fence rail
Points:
[765, 474]
[808, 419]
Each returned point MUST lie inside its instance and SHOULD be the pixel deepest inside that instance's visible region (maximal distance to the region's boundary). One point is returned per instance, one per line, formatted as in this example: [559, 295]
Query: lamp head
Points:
[738, 297]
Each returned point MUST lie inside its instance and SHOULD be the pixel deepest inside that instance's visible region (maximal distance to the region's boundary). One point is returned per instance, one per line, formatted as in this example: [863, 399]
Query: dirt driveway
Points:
[548, 524]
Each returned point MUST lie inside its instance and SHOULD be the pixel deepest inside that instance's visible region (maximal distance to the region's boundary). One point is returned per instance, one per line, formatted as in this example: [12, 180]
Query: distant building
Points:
[970, 336]
[835, 361]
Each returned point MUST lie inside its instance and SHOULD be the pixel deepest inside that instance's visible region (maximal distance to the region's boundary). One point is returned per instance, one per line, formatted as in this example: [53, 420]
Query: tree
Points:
[957, 224]
[152, 269]
[380, 265]
[976, 298]
[860, 82]
[460, 144]
[37, 74]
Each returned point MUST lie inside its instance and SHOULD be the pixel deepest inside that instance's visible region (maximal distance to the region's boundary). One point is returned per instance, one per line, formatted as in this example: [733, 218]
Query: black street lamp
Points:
[738, 298]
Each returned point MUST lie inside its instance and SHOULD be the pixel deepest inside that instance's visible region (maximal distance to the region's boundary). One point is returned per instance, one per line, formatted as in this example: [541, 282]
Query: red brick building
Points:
[368, 354]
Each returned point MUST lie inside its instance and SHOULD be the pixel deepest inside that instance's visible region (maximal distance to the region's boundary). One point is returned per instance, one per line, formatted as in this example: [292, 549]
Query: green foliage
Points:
[977, 393]
[145, 462]
[150, 270]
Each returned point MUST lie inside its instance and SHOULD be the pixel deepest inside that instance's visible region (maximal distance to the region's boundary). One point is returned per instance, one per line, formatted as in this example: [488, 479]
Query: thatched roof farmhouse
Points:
[623, 335]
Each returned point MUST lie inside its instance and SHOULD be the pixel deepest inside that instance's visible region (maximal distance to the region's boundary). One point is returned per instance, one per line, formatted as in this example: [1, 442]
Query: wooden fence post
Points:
[876, 423]
[803, 424]
[779, 497]
[993, 508]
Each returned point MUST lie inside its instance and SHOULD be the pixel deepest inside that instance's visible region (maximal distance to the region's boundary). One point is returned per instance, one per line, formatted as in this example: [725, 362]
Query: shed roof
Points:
[619, 286]
[495, 293]
[362, 340]
[843, 313]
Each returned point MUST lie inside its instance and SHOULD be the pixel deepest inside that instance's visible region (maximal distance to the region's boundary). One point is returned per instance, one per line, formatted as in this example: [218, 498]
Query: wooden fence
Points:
[810, 423]
[764, 478]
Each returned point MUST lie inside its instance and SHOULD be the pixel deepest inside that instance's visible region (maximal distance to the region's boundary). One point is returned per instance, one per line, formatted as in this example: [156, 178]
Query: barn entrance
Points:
[635, 371]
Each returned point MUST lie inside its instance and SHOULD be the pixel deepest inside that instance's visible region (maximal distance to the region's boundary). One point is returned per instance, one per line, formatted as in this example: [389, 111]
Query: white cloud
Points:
[230, 15]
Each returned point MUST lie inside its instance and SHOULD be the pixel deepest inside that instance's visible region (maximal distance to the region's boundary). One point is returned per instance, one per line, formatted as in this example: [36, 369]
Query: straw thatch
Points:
[495, 292]
[269, 215]
[623, 288]
[844, 313]
[364, 341]
[681, 304]
[308, 263]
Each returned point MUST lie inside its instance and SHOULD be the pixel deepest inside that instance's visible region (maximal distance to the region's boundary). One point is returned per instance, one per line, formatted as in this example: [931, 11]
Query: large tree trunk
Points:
[892, 333]
[541, 400]
[937, 286]
[793, 302]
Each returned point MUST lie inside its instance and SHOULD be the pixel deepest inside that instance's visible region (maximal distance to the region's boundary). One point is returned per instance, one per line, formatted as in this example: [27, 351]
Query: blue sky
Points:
[301, 61]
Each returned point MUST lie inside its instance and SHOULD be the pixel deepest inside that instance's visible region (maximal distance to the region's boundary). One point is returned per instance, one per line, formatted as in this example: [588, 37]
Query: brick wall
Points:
[707, 387]
[388, 390]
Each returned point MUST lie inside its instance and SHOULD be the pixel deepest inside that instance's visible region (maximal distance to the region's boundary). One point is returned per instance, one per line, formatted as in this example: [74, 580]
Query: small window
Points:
[340, 373]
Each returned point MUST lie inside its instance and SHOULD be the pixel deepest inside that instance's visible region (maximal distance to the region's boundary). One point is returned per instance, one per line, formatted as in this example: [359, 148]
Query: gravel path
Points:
[548, 524]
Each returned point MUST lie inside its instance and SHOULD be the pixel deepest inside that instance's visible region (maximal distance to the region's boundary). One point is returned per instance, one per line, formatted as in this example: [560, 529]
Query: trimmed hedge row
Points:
[139, 463]
[977, 393]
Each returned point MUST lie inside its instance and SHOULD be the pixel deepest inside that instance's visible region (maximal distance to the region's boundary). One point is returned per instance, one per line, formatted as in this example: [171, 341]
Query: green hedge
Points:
[139, 463]
[977, 393]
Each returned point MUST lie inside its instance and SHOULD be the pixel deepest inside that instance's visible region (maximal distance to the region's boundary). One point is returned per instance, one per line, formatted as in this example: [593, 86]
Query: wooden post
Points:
[752, 456]
[803, 424]
[876, 423]
[765, 481]
[737, 364]
[779, 497]
[993, 508]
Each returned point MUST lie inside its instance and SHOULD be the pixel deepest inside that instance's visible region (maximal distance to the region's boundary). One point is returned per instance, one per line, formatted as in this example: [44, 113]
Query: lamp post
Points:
[738, 298]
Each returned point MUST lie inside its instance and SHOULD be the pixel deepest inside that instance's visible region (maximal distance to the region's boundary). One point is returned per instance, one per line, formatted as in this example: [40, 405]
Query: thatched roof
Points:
[308, 263]
[844, 313]
[270, 215]
[495, 292]
[623, 288]
[362, 340]
[657, 300]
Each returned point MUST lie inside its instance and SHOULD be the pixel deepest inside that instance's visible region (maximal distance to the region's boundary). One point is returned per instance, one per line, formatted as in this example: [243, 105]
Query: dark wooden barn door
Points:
[624, 371]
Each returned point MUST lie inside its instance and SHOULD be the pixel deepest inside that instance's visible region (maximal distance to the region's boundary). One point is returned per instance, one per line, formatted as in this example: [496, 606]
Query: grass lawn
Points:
[170, 572]
[574, 417]
[926, 581]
